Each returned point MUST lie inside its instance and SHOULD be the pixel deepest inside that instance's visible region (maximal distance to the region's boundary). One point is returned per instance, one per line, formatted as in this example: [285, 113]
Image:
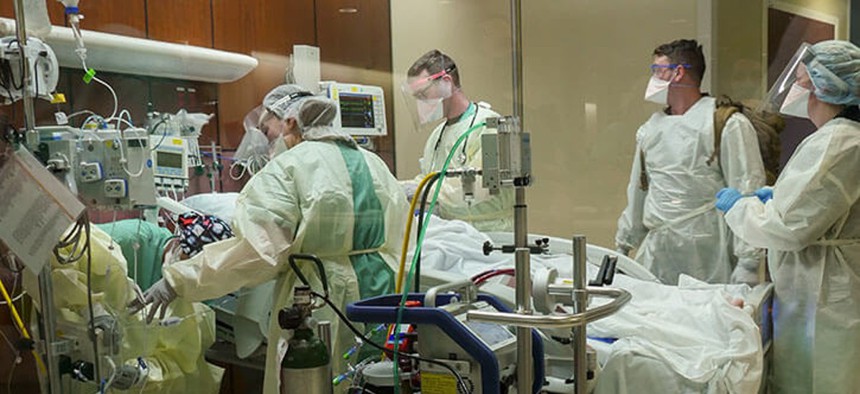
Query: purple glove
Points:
[727, 197]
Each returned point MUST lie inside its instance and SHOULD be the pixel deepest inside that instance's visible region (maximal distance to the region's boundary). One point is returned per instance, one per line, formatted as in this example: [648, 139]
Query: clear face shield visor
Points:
[792, 87]
[252, 153]
[424, 95]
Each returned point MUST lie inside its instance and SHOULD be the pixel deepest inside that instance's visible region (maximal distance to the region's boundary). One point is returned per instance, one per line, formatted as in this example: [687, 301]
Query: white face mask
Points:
[429, 110]
[277, 147]
[796, 102]
[657, 91]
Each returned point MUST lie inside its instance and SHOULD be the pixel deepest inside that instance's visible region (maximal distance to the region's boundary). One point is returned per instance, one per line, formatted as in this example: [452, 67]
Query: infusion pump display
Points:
[361, 109]
[169, 162]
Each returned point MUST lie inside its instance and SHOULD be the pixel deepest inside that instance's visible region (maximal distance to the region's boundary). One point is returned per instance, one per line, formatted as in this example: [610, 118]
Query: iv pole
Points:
[525, 363]
[524, 317]
[46, 289]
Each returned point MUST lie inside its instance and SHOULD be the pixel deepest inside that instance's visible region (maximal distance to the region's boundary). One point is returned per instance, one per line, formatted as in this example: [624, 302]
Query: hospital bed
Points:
[685, 338]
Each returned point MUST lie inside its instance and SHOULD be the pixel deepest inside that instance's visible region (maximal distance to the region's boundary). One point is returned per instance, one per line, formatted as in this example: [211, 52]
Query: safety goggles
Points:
[284, 101]
[418, 88]
[660, 69]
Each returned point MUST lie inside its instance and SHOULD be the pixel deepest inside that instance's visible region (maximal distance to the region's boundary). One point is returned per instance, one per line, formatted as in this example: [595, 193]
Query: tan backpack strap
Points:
[725, 108]
[643, 176]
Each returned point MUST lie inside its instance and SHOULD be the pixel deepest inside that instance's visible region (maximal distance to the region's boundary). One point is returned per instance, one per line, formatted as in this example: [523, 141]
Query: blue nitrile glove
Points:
[727, 197]
[764, 194]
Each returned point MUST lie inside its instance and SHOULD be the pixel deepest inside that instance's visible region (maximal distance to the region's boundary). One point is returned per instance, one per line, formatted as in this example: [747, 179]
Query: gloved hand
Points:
[409, 187]
[727, 197]
[160, 295]
[623, 250]
[764, 194]
[746, 272]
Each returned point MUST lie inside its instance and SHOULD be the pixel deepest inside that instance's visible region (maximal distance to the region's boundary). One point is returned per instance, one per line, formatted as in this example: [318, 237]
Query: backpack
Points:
[767, 126]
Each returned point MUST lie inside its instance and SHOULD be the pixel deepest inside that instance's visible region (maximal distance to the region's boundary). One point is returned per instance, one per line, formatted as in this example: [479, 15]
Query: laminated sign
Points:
[36, 209]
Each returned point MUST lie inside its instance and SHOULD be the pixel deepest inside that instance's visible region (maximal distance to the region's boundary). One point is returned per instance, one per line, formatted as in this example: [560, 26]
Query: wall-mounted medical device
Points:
[361, 108]
[42, 64]
[108, 169]
[169, 163]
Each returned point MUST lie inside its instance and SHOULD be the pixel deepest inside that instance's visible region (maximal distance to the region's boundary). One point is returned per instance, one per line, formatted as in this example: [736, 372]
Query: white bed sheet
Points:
[679, 339]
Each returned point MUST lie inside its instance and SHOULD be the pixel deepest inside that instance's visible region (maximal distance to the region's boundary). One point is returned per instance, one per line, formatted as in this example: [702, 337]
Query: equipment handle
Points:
[469, 291]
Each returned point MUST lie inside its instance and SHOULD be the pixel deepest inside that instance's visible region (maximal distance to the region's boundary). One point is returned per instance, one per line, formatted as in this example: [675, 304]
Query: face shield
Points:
[789, 95]
[273, 123]
[424, 95]
[253, 151]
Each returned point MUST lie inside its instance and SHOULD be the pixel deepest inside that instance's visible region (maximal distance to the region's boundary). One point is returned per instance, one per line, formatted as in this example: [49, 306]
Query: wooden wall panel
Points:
[131, 92]
[355, 33]
[185, 22]
[271, 26]
[267, 30]
[55, 11]
[354, 37]
[169, 96]
[126, 17]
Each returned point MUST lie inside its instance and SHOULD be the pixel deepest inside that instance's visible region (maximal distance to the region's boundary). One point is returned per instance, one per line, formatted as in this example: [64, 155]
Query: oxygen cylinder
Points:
[305, 368]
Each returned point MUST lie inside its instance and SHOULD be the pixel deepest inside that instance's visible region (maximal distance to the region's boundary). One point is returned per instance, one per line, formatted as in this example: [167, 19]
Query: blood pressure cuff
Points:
[198, 230]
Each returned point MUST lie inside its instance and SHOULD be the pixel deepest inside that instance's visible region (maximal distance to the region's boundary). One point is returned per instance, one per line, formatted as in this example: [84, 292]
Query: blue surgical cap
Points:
[835, 72]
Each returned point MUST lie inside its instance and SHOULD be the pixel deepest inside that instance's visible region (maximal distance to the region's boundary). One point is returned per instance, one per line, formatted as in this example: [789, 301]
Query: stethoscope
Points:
[472, 110]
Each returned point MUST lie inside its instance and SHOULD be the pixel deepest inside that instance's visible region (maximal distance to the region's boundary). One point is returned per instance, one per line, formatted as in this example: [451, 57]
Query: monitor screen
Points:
[356, 110]
[168, 159]
[491, 333]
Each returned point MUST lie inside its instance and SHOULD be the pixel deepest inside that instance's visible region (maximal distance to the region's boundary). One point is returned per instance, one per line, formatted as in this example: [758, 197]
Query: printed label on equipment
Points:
[438, 383]
[36, 209]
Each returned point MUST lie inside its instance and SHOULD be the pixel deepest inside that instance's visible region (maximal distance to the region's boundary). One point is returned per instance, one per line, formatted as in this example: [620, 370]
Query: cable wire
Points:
[20, 324]
[421, 233]
[8, 342]
[92, 331]
[11, 375]
[420, 226]
[398, 286]
[460, 383]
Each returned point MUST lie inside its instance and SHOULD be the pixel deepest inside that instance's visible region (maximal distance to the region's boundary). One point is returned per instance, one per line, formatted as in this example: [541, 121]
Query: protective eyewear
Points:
[659, 69]
[287, 99]
[419, 87]
[793, 72]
